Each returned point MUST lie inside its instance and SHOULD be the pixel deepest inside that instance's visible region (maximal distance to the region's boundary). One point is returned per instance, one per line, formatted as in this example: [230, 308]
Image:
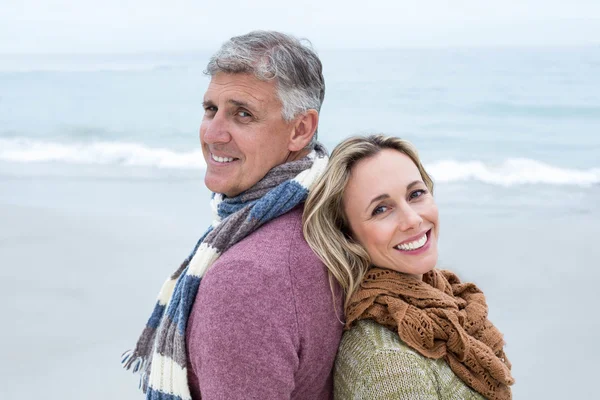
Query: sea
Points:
[511, 137]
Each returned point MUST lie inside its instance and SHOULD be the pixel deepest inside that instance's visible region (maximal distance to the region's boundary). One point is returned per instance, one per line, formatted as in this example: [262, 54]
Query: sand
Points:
[81, 263]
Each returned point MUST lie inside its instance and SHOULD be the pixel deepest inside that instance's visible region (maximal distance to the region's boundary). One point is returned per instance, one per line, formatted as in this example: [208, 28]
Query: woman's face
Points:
[392, 214]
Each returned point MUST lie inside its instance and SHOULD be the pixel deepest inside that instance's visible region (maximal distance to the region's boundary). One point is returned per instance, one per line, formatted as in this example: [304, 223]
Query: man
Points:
[250, 314]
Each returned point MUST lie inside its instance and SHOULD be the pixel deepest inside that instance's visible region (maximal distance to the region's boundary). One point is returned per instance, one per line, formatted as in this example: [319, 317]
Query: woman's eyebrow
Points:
[410, 185]
[385, 195]
[380, 197]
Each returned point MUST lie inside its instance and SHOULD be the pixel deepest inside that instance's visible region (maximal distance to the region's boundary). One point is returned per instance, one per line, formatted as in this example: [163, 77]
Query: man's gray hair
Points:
[269, 55]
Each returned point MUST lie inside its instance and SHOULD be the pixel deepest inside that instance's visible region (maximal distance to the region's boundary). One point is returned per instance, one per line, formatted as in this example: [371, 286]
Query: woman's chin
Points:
[420, 265]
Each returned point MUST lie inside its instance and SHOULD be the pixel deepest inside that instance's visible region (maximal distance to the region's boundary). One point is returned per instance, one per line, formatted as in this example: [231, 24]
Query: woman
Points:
[413, 331]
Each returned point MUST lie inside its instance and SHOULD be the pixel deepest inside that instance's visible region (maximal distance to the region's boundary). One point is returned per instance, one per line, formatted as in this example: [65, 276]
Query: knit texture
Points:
[160, 354]
[373, 363]
[283, 329]
[439, 317]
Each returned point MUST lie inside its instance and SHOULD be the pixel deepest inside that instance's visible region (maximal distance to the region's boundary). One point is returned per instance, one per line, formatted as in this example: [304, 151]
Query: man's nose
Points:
[409, 218]
[216, 129]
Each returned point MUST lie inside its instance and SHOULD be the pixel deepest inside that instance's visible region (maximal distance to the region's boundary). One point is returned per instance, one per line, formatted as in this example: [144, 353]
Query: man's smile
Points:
[222, 160]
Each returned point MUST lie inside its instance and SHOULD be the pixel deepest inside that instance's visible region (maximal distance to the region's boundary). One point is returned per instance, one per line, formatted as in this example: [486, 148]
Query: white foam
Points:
[103, 153]
[515, 171]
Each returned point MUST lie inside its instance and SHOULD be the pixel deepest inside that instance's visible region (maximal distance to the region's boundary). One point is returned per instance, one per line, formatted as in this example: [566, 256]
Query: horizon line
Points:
[318, 50]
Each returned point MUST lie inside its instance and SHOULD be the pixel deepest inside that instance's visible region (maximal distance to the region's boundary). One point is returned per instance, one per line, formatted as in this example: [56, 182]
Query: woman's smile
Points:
[417, 246]
[392, 214]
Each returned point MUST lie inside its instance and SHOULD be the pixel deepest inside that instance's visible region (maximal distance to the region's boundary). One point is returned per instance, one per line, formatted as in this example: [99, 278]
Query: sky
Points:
[122, 26]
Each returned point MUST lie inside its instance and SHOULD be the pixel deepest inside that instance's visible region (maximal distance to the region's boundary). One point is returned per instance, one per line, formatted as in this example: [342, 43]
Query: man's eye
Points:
[210, 109]
[379, 210]
[244, 114]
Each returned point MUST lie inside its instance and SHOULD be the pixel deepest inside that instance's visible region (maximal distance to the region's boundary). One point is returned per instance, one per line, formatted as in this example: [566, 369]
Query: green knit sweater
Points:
[373, 363]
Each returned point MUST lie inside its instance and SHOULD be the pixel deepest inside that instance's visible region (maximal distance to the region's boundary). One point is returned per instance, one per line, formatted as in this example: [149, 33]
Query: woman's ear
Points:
[305, 127]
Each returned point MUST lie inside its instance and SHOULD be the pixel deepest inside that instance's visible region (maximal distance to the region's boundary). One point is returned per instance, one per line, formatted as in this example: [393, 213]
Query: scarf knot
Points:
[439, 317]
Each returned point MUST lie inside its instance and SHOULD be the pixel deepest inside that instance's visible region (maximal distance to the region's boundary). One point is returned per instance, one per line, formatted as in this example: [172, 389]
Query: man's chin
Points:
[215, 185]
[221, 188]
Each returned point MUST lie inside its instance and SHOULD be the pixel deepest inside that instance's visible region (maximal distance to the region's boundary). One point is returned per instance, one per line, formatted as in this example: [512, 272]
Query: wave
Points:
[99, 153]
[514, 171]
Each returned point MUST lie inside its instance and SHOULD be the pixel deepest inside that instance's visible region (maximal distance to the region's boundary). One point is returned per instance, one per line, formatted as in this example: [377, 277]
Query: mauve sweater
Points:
[264, 324]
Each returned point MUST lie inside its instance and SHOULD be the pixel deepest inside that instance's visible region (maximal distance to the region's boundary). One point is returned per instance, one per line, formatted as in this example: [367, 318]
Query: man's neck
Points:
[296, 155]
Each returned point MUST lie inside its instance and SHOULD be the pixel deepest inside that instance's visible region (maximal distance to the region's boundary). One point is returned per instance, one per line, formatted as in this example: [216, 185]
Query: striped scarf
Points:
[160, 354]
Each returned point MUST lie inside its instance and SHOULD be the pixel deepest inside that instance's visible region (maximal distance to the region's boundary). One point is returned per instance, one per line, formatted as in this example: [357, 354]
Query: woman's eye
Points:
[417, 193]
[379, 210]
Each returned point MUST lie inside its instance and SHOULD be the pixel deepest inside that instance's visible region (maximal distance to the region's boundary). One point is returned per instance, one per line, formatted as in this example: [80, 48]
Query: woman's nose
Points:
[409, 218]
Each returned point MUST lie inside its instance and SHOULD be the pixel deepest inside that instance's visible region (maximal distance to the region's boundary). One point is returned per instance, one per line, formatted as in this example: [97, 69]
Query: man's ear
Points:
[304, 129]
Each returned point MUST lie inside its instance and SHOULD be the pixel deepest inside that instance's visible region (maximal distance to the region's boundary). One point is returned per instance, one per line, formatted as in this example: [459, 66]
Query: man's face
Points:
[243, 134]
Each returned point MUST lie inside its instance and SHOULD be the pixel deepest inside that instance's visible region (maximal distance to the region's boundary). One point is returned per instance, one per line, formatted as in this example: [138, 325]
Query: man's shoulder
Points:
[279, 240]
[271, 249]
[274, 259]
[286, 225]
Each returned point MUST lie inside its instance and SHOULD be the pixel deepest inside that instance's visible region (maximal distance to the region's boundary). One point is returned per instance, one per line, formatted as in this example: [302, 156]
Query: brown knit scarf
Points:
[439, 317]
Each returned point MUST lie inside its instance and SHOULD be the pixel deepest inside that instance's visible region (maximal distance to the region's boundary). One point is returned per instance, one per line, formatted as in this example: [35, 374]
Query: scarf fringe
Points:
[132, 362]
[136, 363]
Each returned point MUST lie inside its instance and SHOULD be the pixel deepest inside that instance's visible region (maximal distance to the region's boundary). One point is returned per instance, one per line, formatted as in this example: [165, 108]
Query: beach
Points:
[81, 280]
[102, 197]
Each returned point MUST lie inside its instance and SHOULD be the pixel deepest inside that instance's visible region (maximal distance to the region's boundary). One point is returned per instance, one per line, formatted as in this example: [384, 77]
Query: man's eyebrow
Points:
[236, 103]
[378, 198]
[239, 103]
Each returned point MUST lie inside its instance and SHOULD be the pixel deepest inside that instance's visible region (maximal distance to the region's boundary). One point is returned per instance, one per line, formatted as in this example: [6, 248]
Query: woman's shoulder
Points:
[369, 348]
[368, 337]
[373, 360]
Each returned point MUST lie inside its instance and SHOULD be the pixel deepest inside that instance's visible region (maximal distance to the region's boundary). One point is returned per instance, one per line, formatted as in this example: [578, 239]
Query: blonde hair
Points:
[326, 227]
